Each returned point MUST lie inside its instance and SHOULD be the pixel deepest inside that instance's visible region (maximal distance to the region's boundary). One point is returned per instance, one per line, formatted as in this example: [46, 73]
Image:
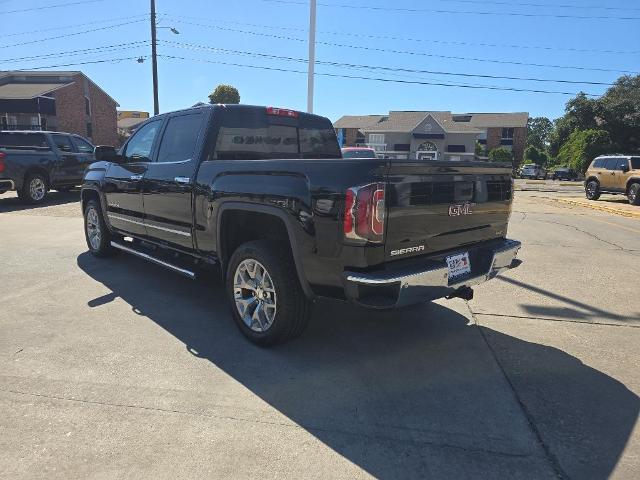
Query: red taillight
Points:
[282, 112]
[2, 155]
[364, 213]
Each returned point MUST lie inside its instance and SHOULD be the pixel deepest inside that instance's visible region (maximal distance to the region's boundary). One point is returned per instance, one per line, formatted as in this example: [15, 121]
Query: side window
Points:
[179, 138]
[635, 163]
[63, 142]
[622, 163]
[35, 141]
[141, 143]
[611, 164]
[599, 163]
[82, 146]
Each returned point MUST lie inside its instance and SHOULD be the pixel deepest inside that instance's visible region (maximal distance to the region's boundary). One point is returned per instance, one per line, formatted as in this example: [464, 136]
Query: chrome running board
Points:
[152, 259]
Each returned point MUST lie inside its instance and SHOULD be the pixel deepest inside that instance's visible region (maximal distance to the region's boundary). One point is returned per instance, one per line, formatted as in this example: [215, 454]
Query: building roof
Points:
[28, 90]
[357, 121]
[130, 122]
[20, 77]
[487, 120]
[407, 121]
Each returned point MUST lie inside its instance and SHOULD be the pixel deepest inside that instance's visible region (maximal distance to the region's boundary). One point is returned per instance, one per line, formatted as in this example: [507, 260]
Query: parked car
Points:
[34, 162]
[619, 175]
[533, 172]
[265, 194]
[563, 173]
[358, 152]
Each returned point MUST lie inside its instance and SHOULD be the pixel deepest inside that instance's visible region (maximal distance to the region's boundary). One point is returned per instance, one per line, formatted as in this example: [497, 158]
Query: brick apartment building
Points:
[57, 101]
[435, 135]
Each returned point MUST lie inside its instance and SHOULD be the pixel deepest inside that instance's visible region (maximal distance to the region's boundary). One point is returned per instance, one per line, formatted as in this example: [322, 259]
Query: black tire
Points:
[100, 246]
[633, 194]
[592, 190]
[34, 189]
[289, 304]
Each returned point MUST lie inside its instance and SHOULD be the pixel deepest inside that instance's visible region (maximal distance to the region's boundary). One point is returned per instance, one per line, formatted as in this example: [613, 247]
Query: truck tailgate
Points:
[438, 206]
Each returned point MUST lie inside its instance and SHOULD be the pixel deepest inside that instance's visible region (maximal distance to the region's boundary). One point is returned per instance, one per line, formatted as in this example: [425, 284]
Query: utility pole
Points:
[312, 54]
[154, 58]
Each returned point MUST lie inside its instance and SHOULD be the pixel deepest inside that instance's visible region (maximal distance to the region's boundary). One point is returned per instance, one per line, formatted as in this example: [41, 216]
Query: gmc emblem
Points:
[463, 209]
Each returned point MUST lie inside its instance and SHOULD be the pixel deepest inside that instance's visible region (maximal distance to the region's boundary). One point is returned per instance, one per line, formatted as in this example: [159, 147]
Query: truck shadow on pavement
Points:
[415, 393]
[14, 204]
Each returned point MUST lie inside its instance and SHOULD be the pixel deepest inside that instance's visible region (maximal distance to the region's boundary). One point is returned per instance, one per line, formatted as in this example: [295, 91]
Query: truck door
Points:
[123, 181]
[67, 161]
[608, 178]
[169, 180]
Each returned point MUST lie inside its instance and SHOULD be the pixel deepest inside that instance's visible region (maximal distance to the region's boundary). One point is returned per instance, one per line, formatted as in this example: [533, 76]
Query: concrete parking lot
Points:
[119, 369]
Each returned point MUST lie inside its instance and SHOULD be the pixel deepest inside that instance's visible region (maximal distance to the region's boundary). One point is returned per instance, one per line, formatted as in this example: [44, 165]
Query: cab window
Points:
[599, 162]
[612, 164]
[62, 142]
[179, 138]
[635, 163]
[82, 146]
[622, 164]
[139, 147]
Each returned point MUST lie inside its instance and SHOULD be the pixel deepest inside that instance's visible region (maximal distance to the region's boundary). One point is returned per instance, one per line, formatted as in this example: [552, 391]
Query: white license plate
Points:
[458, 264]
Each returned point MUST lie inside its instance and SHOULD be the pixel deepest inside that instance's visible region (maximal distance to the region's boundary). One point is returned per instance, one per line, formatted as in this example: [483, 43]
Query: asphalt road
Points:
[119, 369]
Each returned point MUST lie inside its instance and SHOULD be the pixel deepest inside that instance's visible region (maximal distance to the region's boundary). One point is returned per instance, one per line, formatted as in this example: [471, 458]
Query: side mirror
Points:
[106, 153]
[625, 168]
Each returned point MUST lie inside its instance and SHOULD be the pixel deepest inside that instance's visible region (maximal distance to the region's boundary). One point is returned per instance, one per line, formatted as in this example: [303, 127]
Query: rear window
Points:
[24, 141]
[635, 163]
[249, 134]
[364, 153]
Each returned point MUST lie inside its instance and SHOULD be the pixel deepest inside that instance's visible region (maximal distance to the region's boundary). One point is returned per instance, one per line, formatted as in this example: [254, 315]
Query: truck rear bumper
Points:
[7, 184]
[398, 287]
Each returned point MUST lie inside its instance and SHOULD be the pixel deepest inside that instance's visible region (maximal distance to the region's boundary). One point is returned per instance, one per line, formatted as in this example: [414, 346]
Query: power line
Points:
[46, 7]
[75, 25]
[108, 60]
[378, 79]
[456, 12]
[407, 52]
[176, 18]
[544, 5]
[193, 46]
[72, 34]
[84, 51]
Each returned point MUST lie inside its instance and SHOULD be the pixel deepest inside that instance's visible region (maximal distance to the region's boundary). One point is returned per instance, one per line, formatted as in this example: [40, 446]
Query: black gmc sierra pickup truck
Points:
[265, 194]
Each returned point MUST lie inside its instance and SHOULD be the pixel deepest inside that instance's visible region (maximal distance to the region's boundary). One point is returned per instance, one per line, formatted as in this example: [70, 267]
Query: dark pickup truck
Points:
[34, 162]
[265, 194]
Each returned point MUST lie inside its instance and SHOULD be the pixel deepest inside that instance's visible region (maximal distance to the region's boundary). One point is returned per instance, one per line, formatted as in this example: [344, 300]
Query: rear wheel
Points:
[34, 189]
[266, 299]
[96, 232]
[592, 190]
[634, 194]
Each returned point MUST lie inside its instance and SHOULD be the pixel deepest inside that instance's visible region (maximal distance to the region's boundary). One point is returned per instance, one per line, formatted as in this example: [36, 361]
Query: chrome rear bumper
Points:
[389, 289]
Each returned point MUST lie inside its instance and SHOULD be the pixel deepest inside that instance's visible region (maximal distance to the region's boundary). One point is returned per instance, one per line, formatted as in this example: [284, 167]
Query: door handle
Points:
[136, 177]
[181, 179]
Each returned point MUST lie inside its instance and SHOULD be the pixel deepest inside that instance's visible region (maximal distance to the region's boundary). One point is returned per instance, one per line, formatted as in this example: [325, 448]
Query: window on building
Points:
[179, 138]
[87, 106]
[376, 138]
[62, 142]
[456, 148]
[507, 133]
[402, 147]
[89, 129]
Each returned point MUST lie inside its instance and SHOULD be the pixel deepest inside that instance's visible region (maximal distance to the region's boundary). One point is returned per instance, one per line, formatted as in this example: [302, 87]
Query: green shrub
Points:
[501, 154]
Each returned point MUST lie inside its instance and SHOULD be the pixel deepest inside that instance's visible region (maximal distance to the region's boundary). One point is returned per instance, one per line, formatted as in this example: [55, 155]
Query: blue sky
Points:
[253, 25]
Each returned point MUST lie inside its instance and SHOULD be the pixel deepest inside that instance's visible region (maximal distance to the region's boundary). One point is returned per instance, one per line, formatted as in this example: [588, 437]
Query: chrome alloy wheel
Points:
[255, 295]
[93, 228]
[37, 189]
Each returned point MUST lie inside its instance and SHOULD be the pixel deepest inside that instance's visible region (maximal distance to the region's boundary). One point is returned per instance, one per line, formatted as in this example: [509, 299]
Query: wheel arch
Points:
[630, 182]
[226, 241]
[37, 169]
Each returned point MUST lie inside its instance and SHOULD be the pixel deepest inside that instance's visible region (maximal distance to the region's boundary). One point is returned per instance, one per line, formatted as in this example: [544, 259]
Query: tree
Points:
[501, 154]
[583, 146]
[539, 130]
[224, 94]
[536, 155]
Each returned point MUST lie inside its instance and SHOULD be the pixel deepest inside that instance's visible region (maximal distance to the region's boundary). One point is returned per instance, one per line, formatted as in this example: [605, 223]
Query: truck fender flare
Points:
[95, 189]
[267, 210]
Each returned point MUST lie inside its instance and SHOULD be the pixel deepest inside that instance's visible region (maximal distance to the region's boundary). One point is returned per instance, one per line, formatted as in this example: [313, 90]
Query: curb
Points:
[595, 206]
